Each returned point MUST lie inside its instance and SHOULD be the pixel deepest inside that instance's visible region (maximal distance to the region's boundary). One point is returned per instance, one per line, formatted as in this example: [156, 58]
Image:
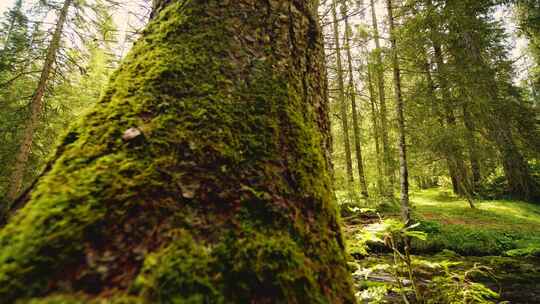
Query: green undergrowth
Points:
[438, 275]
[495, 227]
[498, 227]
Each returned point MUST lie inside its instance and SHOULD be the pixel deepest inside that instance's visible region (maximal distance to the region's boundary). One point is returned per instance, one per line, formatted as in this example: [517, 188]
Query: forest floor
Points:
[497, 244]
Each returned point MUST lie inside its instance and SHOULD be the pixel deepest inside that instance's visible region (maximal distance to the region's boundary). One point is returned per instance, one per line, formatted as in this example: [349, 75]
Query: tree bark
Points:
[355, 115]
[387, 153]
[341, 96]
[200, 176]
[403, 167]
[36, 107]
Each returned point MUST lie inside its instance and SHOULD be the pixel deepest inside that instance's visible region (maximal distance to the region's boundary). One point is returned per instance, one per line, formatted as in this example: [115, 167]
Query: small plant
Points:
[396, 236]
[373, 294]
[455, 287]
[448, 287]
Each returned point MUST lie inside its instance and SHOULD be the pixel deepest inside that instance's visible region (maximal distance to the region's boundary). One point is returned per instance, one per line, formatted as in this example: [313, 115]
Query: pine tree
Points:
[384, 128]
[400, 111]
[36, 106]
[341, 95]
[356, 120]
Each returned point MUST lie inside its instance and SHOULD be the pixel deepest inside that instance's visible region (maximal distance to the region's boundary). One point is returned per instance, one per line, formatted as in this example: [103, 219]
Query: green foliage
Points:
[495, 185]
[532, 250]
[493, 229]
[448, 281]
[71, 299]
[468, 241]
[79, 77]
[459, 287]
[18, 80]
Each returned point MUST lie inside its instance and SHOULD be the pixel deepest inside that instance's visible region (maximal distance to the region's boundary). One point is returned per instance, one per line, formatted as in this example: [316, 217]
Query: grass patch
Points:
[496, 227]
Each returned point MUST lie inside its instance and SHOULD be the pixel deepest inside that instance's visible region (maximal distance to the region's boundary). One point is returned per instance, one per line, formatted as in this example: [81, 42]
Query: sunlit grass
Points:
[441, 206]
[494, 228]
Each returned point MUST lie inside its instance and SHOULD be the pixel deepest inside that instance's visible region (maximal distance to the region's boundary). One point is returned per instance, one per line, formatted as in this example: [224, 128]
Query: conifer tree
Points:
[36, 105]
[356, 120]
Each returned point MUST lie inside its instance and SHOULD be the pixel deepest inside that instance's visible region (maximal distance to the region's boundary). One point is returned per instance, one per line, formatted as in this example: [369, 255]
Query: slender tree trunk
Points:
[376, 130]
[200, 177]
[36, 107]
[403, 167]
[472, 149]
[387, 153]
[341, 96]
[355, 115]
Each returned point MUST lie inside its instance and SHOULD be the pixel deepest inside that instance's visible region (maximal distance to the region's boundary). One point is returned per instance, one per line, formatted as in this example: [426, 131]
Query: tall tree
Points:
[17, 80]
[403, 167]
[472, 146]
[528, 16]
[36, 105]
[384, 128]
[200, 176]
[352, 95]
[341, 95]
[476, 47]
[376, 128]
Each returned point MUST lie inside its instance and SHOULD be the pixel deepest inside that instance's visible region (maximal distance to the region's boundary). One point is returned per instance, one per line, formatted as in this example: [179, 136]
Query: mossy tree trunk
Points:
[200, 177]
[341, 95]
[356, 119]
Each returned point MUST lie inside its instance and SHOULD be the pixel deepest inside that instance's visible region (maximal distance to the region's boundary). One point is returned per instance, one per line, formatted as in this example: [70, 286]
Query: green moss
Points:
[255, 267]
[180, 273]
[467, 241]
[230, 146]
[269, 267]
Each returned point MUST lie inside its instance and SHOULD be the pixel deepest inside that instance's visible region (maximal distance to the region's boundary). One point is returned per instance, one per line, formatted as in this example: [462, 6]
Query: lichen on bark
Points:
[224, 172]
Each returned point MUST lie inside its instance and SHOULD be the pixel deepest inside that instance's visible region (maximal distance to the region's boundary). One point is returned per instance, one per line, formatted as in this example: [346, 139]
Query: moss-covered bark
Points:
[200, 177]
